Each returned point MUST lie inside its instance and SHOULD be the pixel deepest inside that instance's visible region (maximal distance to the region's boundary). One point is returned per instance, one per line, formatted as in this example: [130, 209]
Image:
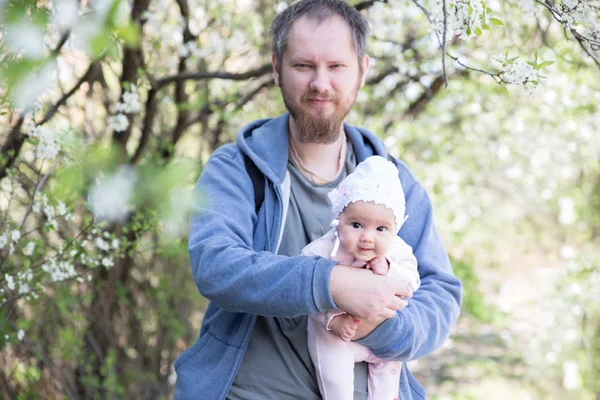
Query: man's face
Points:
[319, 76]
[366, 230]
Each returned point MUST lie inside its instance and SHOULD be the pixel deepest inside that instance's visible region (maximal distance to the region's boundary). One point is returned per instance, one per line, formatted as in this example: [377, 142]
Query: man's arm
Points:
[225, 267]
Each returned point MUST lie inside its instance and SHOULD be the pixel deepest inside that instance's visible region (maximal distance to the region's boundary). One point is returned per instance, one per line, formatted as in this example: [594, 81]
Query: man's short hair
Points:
[320, 10]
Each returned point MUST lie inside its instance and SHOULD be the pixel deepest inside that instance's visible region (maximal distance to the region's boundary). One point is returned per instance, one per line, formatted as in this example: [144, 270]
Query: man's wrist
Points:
[365, 328]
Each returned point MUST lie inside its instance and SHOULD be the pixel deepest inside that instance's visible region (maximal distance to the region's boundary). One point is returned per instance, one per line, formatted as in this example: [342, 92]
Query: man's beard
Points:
[319, 129]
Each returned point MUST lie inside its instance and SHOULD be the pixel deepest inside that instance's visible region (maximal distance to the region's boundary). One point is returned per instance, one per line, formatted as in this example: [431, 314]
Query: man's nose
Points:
[320, 81]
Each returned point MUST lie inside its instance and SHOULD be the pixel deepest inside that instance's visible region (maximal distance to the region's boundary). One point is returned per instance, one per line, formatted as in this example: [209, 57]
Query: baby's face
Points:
[366, 230]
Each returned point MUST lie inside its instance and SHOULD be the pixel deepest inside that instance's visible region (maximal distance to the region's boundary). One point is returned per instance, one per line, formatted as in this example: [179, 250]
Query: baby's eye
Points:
[381, 228]
[356, 225]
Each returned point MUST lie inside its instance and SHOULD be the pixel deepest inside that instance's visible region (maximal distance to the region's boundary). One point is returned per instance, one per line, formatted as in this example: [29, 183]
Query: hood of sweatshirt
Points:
[265, 142]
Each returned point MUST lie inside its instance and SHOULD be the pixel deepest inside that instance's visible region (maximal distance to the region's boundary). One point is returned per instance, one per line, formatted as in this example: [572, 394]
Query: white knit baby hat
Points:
[374, 180]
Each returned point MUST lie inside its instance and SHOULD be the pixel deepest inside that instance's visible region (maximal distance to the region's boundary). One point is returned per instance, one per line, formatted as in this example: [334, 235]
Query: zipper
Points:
[253, 317]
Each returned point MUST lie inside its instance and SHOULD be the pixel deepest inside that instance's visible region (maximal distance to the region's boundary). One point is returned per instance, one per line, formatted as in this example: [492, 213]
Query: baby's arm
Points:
[379, 265]
[344, 326]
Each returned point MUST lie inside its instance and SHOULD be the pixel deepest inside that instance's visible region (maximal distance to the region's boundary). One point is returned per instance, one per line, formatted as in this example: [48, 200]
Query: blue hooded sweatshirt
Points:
[232, 252]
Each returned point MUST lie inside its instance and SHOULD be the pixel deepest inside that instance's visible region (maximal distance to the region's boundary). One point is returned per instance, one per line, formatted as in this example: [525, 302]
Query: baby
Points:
[368, 211]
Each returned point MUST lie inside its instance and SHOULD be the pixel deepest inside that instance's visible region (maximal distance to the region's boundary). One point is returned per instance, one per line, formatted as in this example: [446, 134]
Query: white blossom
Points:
[118, 123]
[61, 208]
[21, 334]
[130, 102]
[567, 211]
[59, 271]
[27, 38]
[520, 72]
[3, 241]
[64, 13]
[28, 249]
[102, 244]
[110, 197]
[27, 91]
[571, 378]
[49, 142]
[10, 282]
[529, 6]
[107, 262]
[15, 235]
[115, 243]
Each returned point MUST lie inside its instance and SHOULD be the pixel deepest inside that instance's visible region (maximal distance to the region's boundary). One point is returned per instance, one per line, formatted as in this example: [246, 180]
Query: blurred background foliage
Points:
[108, 110]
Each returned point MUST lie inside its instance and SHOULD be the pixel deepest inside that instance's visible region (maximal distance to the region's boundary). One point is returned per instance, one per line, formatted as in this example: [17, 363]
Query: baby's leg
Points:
[344, 326]
[384, 380]
[333, 361]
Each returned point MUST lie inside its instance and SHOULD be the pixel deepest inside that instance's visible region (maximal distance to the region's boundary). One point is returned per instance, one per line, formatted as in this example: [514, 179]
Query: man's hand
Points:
[367, 296]
[379, 265]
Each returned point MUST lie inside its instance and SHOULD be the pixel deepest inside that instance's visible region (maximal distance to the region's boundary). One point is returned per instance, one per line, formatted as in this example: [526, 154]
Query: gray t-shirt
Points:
[277, 364]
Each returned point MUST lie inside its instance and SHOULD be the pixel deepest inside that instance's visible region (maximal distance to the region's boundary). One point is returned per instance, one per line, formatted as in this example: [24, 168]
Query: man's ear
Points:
[365, 62]
[275, 69]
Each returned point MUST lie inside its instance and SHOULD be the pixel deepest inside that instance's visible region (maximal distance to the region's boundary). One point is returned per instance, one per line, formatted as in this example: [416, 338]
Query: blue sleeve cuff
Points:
[321, 290]
[379, 339]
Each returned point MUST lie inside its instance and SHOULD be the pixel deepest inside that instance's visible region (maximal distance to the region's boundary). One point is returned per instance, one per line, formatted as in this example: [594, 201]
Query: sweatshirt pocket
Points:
[204, 370]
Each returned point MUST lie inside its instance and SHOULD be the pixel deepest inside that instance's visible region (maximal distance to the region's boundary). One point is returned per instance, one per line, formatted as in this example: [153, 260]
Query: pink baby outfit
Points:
[334, 358]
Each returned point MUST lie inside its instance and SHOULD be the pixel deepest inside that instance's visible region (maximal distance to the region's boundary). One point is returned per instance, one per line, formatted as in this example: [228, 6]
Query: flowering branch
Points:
[497, 77]
[563, 17]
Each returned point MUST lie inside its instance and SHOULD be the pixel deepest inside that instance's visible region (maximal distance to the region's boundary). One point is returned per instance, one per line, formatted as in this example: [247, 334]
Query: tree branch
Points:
[198, 76]
[132, 60]
[146, 126]
[11, 147]
[91, 71]
[363, 5]
[242, 101]
[419, 105]
[180, 95]
[496, 77]
[444, 44]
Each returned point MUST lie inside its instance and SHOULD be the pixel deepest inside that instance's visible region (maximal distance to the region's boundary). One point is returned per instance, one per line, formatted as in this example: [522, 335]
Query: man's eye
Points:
[381, 228]
[356, 225]
[302, 66]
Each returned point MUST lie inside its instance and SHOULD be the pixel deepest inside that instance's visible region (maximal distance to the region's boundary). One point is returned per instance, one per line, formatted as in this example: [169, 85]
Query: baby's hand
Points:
[379, 265]
[344, 326]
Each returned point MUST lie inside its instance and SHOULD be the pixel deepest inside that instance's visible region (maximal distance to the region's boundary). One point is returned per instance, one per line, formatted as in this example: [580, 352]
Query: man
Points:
[252, 344]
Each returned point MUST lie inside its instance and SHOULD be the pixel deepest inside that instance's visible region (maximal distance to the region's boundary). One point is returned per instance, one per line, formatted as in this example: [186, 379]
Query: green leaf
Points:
[130, 34]
[478, 32]
[496, 21]
[544, 64]
[486, 27]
